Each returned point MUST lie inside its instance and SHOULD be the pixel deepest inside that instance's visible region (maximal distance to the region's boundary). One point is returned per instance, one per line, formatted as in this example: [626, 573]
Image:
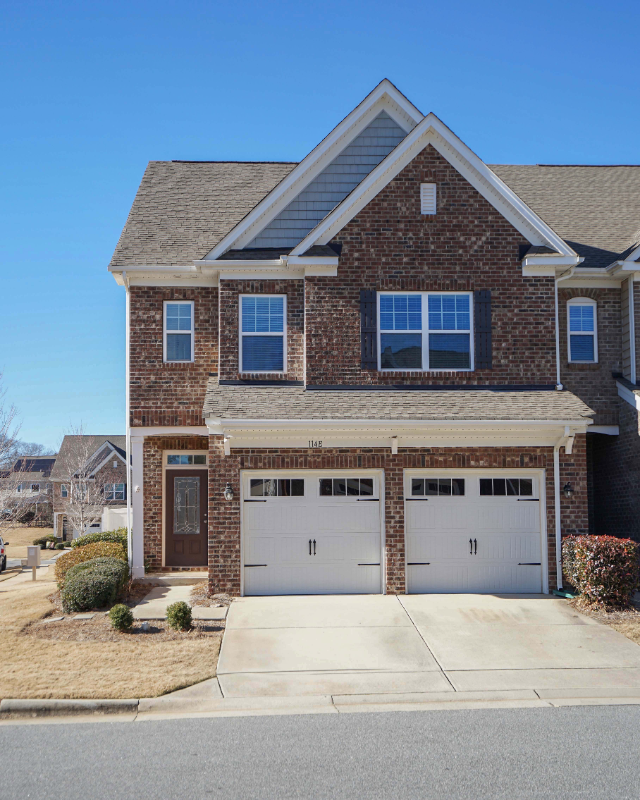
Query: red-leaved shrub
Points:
[604, 569]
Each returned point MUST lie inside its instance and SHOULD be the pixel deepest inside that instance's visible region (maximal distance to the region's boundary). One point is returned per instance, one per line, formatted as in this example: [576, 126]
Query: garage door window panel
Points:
[346, 487]
[276, 487]
[437, 487]
[501, 487]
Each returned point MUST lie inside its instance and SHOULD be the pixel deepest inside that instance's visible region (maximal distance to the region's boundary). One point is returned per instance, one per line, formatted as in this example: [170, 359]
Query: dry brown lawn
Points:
[626, 622]
[20, 537]
[122, 665]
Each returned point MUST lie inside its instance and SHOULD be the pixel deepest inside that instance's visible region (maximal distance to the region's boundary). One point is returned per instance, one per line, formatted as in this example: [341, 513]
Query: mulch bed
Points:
[99, 629]
[607, 616]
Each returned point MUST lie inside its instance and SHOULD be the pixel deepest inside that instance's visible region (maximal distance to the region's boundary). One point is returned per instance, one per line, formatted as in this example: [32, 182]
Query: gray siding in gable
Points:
[332, 185]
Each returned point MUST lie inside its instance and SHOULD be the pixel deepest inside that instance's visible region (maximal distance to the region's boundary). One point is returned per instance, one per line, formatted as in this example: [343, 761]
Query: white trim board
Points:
[629, 396]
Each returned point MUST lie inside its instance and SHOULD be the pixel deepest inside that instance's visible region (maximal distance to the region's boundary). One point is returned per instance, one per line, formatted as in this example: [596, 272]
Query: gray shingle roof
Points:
[595, 209]
[295, 402]
[69, 451]
[183, 209]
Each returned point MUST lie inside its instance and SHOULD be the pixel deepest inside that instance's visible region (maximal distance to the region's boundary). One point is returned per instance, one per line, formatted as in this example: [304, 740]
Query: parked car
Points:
[3, 554]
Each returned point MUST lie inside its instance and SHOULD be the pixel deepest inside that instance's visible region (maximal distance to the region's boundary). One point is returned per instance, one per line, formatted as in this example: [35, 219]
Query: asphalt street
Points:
[585, 752]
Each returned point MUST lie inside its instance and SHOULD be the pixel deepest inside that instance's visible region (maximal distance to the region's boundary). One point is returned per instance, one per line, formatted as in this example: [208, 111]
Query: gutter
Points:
[566, 440]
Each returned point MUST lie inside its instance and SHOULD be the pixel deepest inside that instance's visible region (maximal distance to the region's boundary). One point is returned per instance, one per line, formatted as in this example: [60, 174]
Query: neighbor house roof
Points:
[595, 209]
[260, 402]
[32, 465]
[183, 209]
[70, 446]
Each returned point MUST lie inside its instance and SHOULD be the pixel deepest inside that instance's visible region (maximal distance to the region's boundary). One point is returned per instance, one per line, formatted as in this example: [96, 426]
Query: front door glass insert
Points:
[186, 505]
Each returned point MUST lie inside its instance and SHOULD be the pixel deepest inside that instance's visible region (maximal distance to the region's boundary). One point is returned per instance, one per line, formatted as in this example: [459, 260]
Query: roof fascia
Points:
[385, 97]
[628, 266]
[432, 131]
[217, 425]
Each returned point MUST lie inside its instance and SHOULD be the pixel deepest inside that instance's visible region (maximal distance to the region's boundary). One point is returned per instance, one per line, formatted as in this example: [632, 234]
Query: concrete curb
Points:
[57, 708]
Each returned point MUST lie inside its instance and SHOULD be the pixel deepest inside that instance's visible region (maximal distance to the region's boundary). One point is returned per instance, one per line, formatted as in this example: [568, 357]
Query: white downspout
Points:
[128, 425]
[565, 276]
[556, 493]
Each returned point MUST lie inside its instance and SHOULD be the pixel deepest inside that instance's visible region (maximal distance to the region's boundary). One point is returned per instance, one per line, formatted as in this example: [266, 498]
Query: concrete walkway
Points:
[418, 644]
[154, 605]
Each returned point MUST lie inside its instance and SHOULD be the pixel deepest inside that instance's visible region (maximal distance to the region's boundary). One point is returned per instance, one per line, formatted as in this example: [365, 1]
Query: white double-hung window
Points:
[583, 330]
[114, 491]
[425, 331]
[262, 333]
[178, 330]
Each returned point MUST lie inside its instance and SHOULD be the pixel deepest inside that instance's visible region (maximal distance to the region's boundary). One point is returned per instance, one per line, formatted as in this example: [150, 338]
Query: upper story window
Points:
[35, 487]
[64, 491]
[178, 331]
[114, 491]
[19, 487]
[262, 333]
[426, 331]
[583, 330]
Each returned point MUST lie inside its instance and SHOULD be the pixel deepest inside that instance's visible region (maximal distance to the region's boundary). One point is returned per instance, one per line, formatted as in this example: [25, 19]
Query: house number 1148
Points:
[315, 443]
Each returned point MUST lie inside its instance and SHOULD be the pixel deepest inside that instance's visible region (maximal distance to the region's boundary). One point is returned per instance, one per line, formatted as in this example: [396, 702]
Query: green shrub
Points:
[59, 546]
[179, 616]
[43, 541]
[121, 617]
[603, 569]
[118, 536]
[94, 584]
[80, 554]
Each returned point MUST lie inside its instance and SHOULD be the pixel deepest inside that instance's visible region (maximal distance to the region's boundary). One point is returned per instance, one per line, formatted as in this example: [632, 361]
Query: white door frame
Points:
[317, 473]
[482, 472]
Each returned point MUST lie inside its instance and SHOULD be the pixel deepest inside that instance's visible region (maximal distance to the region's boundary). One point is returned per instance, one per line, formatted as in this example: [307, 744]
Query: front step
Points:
[175, 578]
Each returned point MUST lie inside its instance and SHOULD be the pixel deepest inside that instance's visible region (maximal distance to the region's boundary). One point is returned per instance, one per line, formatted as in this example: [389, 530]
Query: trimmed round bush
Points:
[118, 536]
[179, 616]
[121, 617]
[81, 554]
[59, 546]
[603, 569]
[41, 541]
[94, 584]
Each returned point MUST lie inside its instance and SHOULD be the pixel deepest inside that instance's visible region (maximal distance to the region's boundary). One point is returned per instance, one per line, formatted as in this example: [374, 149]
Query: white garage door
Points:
[311, 533]
[473, 532]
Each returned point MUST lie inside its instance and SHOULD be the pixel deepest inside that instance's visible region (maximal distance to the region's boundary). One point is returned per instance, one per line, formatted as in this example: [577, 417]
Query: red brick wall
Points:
[154, 448]
[229, 326]
[224, 517]
[467, 245]
[172, 393]
[593, 382]
[616, 475]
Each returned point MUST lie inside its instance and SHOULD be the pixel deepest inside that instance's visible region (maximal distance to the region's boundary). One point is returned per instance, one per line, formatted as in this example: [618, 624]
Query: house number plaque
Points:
[313, 443]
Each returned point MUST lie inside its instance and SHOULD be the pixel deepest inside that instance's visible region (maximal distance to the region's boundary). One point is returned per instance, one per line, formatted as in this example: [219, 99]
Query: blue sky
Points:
[92, 91]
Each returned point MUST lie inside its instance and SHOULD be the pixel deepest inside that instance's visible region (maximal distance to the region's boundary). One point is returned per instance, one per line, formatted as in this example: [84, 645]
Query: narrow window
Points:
[35, 487]
[262, 333]
[178, 331]
[583, 339]
[64, 491]
[401, 331]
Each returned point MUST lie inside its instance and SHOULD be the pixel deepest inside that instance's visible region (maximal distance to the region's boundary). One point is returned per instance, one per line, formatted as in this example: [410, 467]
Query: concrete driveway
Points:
[370, 644]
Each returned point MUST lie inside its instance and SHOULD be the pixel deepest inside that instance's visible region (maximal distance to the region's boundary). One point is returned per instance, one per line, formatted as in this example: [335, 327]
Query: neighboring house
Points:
[89, 482]
[27, 486]
[353, 374]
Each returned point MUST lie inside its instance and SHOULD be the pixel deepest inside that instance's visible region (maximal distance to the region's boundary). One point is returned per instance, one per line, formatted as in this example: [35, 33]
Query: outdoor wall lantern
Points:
[568, 490]
[228, 492]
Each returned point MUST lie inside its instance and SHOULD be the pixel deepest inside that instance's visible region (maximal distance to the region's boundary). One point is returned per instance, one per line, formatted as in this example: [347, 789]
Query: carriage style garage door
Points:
[311, 533]
[473, 531]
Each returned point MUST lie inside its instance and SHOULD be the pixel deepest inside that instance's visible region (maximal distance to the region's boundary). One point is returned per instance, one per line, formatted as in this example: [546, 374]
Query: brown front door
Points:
[186, 518]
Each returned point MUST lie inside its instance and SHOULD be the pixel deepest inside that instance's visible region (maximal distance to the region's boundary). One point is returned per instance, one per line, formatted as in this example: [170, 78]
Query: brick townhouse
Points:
[390, 367]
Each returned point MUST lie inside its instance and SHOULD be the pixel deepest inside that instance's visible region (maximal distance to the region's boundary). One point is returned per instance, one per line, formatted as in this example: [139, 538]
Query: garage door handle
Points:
[470, 547]
[530, 564]
[475, 545]
[314, 547]
[309, 546]
[255, 565]
[377, 564]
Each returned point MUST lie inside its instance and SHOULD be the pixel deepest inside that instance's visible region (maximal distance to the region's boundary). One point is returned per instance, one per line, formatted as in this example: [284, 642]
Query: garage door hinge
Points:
[377, 564]
[255, 565]
[528, 500]
[418, 563]
[530, 564]
[368, 499]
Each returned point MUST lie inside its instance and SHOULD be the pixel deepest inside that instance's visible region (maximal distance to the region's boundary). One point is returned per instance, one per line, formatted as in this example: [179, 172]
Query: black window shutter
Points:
[368, 329]
[482, 309]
